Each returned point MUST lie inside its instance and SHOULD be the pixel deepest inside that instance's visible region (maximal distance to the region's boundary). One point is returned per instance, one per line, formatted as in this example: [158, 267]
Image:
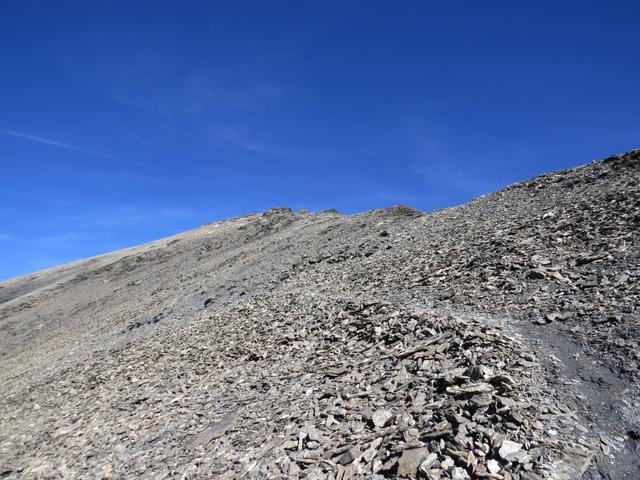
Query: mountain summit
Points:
[493, 340]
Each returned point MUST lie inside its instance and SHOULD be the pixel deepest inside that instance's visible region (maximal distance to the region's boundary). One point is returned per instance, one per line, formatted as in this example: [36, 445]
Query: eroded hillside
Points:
[498, 339]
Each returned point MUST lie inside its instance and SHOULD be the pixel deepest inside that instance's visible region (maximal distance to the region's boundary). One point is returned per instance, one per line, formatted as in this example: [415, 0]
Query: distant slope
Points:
[497, 339]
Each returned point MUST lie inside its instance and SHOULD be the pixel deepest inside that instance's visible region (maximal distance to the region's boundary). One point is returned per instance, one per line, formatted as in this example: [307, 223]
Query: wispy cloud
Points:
[73, 148]
[5, 238]
[232, 136]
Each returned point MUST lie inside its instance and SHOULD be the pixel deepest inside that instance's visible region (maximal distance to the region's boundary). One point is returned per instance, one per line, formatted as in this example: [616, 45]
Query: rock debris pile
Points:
[381, 391]
[494, 340]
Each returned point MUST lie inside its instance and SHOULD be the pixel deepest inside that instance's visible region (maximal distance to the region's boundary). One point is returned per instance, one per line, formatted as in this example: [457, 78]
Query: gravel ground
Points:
[497, 339]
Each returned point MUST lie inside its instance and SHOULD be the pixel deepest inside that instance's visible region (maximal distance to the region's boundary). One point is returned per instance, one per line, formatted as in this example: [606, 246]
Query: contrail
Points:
[66, 146]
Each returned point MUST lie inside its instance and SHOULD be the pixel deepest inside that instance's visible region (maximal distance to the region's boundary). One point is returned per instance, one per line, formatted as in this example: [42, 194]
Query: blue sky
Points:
[122, 122]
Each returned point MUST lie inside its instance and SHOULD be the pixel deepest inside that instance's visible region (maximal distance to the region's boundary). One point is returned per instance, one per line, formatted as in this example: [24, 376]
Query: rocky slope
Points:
[498, 339]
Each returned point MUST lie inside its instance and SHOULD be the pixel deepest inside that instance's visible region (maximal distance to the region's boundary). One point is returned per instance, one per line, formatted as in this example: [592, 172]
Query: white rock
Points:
[508, 448]
[447, 463]
[459, 473]
[381, 417]
[493, 466]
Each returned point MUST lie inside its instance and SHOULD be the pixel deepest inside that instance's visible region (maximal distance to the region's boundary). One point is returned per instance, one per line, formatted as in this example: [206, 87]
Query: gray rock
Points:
[509, 449]
[447, 294]
[410, 461]
[381, 418]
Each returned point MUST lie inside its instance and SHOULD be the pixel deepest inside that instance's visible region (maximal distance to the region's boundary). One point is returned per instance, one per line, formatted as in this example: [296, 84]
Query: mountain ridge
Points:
[552, 260]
